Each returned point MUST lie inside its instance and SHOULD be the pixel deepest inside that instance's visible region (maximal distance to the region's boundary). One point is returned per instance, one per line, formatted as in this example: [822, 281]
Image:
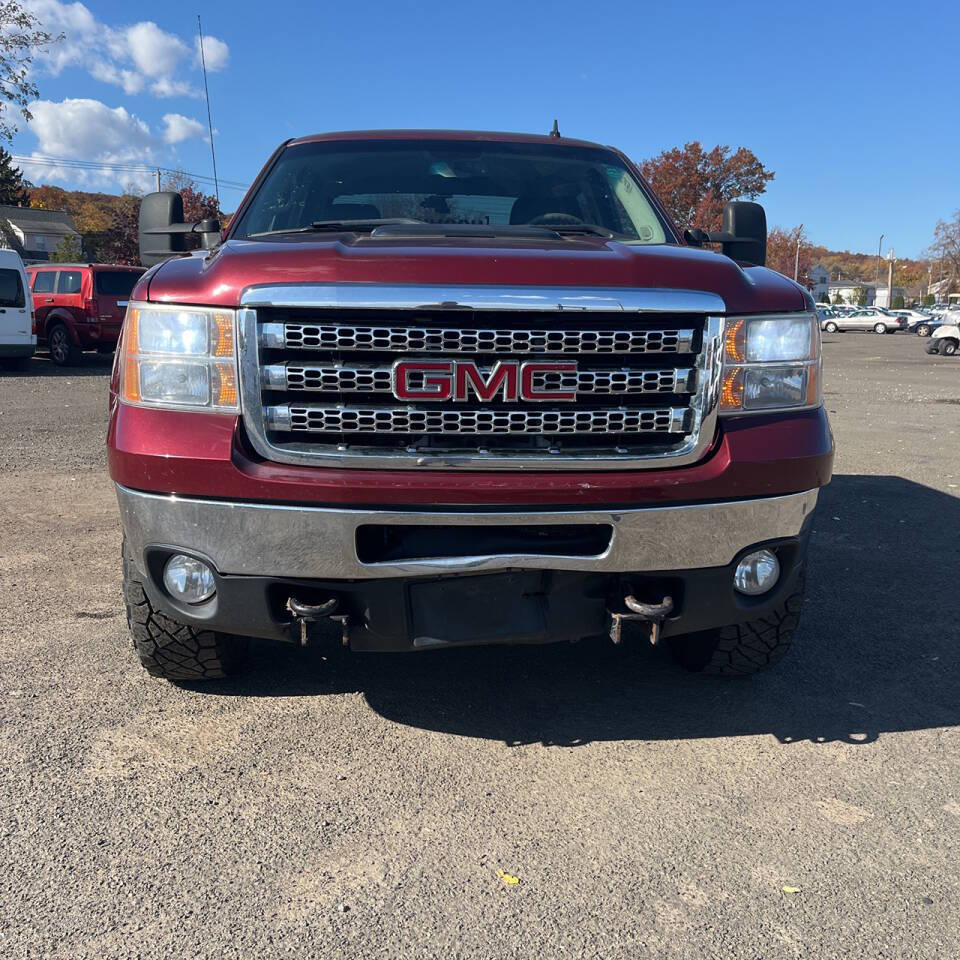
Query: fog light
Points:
[189, 579]
[757, 572]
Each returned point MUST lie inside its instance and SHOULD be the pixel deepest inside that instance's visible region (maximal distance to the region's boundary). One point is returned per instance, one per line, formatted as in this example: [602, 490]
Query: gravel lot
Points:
[364, 807]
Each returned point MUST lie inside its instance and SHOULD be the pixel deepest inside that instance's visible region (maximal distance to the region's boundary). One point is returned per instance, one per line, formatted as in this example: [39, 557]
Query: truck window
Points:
[116, 283]
[44, 281]
[69, 281]
[453, 181]
[11, 288]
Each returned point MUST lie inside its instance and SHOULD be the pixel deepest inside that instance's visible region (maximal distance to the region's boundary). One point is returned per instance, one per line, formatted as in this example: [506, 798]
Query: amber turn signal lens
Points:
[736, 341]
[731, 390]
[224, 325]
[130, 368]
[225, 391]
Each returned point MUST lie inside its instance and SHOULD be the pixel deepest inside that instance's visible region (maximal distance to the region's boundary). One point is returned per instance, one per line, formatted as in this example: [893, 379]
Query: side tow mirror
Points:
[162, 230]
[743, 236]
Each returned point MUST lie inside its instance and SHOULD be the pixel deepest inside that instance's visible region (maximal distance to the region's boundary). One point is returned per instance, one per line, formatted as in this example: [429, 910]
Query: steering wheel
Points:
[559, 219]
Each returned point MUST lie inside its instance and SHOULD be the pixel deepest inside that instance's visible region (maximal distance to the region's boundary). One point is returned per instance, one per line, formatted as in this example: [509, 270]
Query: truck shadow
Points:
[876, 653]
[40, 365]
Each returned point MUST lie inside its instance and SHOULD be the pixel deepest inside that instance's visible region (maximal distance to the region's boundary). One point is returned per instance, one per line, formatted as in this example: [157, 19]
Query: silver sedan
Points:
[869, 318]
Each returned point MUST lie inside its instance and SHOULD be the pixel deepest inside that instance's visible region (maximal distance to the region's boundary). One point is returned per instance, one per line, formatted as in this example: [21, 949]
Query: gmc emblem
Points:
[462, 380]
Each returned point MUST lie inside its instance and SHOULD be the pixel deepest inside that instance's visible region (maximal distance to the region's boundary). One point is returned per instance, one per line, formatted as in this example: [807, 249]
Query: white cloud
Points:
[215, 52]
[154, 52]
[89, 130]
[137, 57]
[178, 128]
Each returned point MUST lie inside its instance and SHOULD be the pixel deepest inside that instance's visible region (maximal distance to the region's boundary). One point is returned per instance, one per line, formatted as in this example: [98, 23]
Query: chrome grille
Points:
[404, 339]
[316, 377]
[359, 378]
[319, 419]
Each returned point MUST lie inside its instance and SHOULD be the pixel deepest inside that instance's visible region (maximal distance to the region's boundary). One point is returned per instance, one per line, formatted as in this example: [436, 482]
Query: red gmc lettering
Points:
[502, 379]
[462, 380]
[437, 380]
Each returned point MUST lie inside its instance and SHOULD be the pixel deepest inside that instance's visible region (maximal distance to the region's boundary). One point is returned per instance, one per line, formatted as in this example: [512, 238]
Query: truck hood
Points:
[219, 278]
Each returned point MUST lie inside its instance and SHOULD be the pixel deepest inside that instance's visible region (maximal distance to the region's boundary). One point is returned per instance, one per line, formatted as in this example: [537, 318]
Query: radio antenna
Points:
[206, 93]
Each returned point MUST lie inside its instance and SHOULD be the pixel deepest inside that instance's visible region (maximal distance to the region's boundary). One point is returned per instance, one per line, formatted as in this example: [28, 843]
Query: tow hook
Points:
[304, 613]
[652, 613]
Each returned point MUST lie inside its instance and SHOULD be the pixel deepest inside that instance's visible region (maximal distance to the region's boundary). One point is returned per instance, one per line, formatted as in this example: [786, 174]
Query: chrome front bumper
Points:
[268, 540]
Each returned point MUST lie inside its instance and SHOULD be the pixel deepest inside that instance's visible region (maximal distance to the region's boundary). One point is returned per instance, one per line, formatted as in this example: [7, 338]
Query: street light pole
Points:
[879, 245]
[796, 262]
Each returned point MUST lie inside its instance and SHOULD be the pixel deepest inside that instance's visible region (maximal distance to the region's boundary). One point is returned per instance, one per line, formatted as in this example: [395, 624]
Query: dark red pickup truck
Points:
[462, 388]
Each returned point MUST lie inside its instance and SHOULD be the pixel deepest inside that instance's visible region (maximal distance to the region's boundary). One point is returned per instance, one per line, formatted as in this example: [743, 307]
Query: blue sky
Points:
[853, 105]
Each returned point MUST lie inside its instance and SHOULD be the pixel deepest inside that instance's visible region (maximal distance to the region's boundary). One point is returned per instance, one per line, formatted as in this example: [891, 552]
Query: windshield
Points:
[498, 184]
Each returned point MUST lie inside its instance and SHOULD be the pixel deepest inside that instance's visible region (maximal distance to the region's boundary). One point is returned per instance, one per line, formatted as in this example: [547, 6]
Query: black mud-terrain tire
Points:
[63, 351]
[742, 648]
[948, 347]
[173, 650]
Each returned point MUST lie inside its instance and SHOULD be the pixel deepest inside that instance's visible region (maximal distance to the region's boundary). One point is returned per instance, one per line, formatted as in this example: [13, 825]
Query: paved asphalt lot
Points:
[363, 808]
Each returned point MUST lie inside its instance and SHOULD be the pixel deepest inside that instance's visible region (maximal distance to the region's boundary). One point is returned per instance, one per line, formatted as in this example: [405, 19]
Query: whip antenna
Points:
[206, 93]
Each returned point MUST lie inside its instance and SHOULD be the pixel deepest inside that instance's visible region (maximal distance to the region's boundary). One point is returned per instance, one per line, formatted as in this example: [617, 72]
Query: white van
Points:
[18, 343]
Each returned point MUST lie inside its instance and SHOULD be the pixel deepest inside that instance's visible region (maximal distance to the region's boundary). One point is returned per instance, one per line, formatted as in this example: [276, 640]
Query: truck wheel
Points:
[63, 351]
[742, 648]
[173, 650]
[880, 328]
[948, 348]
[831, 328]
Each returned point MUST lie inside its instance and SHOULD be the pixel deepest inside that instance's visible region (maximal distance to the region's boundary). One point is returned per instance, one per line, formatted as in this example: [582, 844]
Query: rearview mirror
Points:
[163, 232]
[743, 235]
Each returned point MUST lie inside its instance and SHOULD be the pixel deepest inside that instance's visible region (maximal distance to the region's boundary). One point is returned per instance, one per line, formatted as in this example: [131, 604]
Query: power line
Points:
[75, 164]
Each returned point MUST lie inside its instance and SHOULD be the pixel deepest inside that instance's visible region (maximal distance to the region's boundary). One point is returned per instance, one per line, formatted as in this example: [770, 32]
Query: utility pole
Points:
[158, 179]
[796, 261]
[879, 245]
[890, 279]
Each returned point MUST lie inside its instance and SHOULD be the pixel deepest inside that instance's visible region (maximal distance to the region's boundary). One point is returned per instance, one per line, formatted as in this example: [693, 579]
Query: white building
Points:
[850, 290]
[820, 283]
[883, 297]
[33, 233]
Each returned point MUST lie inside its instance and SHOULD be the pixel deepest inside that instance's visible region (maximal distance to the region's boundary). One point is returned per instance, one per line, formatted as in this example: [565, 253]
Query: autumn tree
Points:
[946, 246]
[21, 37]
[694, 184]
[782, 253]
[121, 243]
[13, 190]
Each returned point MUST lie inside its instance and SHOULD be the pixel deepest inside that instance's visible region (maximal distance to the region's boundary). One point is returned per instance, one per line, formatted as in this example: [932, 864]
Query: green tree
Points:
[68, 250]
[13, 192]
[929, 300]
[21, 37]
[838, 297]
[897, 302]
[860, 297]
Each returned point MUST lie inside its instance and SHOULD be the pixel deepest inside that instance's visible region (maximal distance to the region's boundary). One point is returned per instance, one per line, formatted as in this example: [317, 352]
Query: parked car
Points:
[80, 306]
[922, 324]
[866, 318]
[945, 340]
[456, 384]
[17, 340]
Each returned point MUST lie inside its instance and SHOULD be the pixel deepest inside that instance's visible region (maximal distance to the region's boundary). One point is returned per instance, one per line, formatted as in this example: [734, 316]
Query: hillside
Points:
[910, 274]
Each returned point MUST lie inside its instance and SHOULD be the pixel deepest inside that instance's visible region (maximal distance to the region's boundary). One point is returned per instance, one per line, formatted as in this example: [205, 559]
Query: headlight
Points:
[771, 363]
[180, 357]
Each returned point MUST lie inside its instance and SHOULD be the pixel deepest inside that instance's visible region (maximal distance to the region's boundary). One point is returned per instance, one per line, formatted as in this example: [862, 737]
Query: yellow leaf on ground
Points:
[507, 878]
[791, 889]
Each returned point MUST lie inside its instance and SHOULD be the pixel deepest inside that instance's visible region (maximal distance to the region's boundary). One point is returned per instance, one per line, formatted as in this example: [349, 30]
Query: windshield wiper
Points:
[333, 226]
[592, 228]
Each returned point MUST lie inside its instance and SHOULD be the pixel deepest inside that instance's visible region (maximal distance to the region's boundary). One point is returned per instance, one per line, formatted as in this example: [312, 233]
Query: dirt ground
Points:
[364, 807]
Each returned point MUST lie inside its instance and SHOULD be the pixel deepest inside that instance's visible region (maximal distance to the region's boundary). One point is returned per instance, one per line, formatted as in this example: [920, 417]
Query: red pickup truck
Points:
[462, 388]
